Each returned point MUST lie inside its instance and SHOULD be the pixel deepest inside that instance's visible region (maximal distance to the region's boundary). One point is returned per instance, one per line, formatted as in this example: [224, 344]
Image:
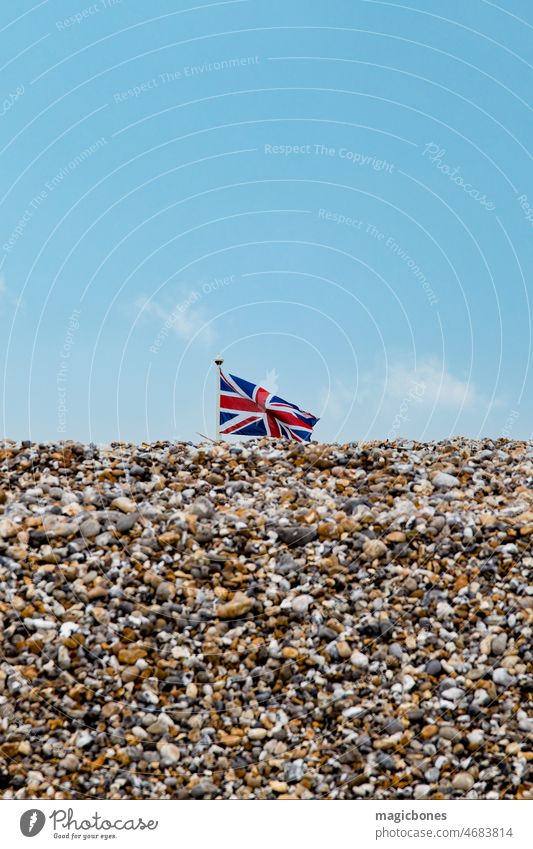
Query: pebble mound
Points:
[266, 620]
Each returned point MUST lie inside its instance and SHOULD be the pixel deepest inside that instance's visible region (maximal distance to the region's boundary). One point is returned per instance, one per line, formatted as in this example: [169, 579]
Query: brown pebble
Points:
[428, 732]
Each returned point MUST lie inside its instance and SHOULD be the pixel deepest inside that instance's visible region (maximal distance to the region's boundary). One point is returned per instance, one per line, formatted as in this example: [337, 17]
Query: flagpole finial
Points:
[219, 360]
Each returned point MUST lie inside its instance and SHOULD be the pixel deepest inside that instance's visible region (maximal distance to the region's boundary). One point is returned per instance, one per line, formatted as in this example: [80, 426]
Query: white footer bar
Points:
[358, 824]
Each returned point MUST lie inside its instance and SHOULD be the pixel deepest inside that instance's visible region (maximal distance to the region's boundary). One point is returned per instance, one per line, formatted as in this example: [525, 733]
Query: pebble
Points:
[429, 731]
[8, 528]
[40, 624]
[203, 508]
[90, 528]
[257, 733]
[68, 628]
[447, 732]
[351, 712]
[453, 694]
[165, 591]
[343, 649]
[481, 697]
[444, 480]
[408, 683]
[486, 644]
[396, 651]
[83, 739]
[169, 753]
[359, 660]
[463, 781]
[373, 549]
[444, 610]
[502, 677]
[70, 763]
[239, 605]
[125, 523]
[301, 603]
[385, 761]
[393, 726]
[296, 535]
[266, 620]
[499, 644]
[202, 789]
[160, 726]
[279, 786]
[421, 791]
[294, 771]
[125, 505]
[63, 657]
[475, 738]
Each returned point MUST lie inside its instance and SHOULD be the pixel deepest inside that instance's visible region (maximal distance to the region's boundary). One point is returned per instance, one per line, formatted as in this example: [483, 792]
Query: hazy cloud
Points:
[184, 319]
[403, 401]
[440, 386]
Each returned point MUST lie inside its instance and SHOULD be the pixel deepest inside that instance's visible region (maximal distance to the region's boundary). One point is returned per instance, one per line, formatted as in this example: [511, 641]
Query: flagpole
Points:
[218, 362]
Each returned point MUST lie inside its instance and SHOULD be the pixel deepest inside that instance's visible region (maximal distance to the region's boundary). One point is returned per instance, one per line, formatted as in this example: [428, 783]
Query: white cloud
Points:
[270, 381]
[184, 319]
[7, 299]
[426, 401]
[429, 401]
[432, 383]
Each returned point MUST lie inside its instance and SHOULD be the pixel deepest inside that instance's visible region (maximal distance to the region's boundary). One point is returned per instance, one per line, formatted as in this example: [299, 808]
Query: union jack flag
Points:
[246, 409]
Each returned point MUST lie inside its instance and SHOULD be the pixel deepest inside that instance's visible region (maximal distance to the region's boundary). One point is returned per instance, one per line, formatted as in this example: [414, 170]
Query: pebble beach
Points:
[266, 620]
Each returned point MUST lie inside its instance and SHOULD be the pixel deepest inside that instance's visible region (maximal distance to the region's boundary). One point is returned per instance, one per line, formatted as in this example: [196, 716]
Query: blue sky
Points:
[336, 196]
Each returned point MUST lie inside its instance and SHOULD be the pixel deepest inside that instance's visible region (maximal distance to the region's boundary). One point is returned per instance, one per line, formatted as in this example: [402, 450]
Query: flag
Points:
[246, 409]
